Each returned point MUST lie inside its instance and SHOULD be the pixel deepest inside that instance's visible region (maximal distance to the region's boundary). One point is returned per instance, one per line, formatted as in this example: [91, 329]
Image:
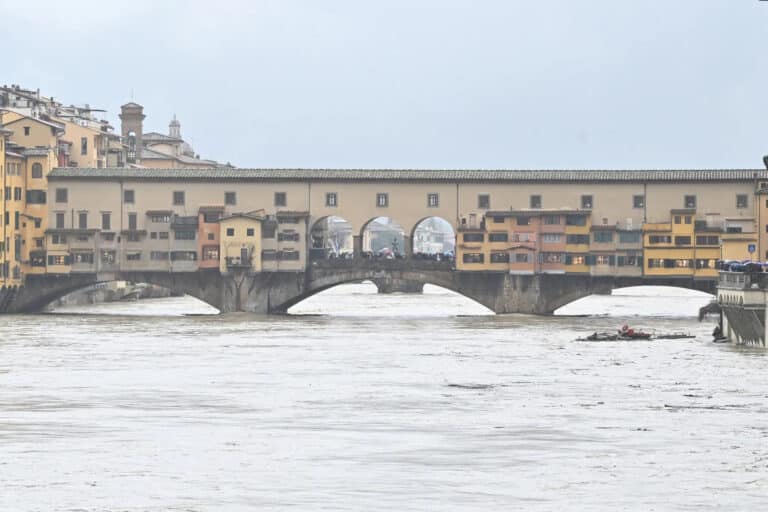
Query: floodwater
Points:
[369, 402]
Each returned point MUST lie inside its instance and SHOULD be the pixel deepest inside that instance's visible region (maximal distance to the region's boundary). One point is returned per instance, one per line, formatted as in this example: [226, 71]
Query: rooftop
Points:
[415, 175]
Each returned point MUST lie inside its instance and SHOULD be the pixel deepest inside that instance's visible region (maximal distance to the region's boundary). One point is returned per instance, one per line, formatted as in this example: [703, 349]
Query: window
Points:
[603, 237]
[36, 197]
[497, 237]
[17, 193]
[268, 255]
[58, 260]
[133, 237]
[82, 220]
[287, 220]
[741, 200]
[522, 257]
[230, 198]
[484, 201]
[500, 257]
[689, 202]
[629, 260]
[638, 201]
[678, 219]
[473, 257]
[230, 231]
[26, 131]
[163, 235]
[498, 220]
[707, 240]
[129, 196]
[109, 237]
[211, 252]
[211, 217]
[61, 195]
[37, 171]
[268, 230]
[106, 221]
[523, 237]
[38, 223]
[629, 237]
[551, 220]
[178, 197]
[251, 231]
[211, 236]
[523, 221]
[8, 192]
[184, 235]
[551, 238]
[59, 220]
[16, 219]
[551, 257]
[83, 257]
[132, 221]
[433, 200]
[133, 256]
[575, 259]
[331, 199]
[660, 239]
[577, 239]
[289, 255]
[382, 200]
[290, 236]
[159, 256]
[58, 239]
[682, 240]
[575, 220]
[535, 201]
[281, 199]
[603, 259]
[153, 235]
[474, 237]
[688, 219]
[83, 145]
[586, 202]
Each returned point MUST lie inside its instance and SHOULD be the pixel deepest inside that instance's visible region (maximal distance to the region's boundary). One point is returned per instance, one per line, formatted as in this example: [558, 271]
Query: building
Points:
[157, 150]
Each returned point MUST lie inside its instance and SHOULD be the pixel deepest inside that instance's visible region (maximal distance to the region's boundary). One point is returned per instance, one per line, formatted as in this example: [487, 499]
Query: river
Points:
[368, 402]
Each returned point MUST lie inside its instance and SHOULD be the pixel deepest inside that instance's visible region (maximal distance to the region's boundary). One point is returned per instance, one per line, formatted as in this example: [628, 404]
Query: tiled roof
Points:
[416, 175]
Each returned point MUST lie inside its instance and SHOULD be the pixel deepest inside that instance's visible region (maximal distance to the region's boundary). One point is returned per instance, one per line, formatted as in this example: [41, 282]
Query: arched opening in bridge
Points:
[384, 238]
[126, 298]
[363, 300]
[649, 301]
[433, 238]
[331, 237]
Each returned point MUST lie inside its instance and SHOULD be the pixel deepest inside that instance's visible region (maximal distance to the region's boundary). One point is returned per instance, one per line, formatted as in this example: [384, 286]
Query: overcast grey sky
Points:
[416, 83]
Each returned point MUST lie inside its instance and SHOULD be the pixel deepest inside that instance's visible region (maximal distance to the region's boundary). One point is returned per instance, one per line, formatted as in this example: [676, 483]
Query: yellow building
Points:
[240, 235]
[577, 230]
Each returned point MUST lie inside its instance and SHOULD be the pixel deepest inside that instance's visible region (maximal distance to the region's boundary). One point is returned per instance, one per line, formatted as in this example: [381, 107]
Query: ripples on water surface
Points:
[391, 403]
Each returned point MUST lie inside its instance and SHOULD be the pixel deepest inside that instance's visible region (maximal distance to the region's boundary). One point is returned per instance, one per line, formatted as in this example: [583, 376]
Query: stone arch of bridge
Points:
[443, 279]
[40, 291]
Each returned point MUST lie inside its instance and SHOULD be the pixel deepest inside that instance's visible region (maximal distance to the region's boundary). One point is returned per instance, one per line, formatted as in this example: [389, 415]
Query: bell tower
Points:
[132, 128]
[174, 128]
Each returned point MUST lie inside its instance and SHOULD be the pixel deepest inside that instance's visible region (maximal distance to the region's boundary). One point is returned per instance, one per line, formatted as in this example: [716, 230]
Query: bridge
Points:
[526, 241]
[276, 292]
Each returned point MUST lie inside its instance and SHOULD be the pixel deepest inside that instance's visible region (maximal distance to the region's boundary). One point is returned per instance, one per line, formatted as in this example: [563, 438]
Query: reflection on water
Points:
[369, 402]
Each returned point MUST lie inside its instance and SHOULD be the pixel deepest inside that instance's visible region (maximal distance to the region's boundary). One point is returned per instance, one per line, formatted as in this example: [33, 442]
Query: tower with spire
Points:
[174, 128]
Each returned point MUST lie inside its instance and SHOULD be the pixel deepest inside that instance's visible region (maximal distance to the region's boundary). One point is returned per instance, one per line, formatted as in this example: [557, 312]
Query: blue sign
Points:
[751, 248]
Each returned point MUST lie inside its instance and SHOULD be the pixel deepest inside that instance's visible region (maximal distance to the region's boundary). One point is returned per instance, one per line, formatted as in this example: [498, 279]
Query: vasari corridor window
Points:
[230, 198]
[382, 200]
[638, 201]
[331, 199]
[586, 202]
[128, 196]
[535, 201]
[484, 201]
[281, 199]
[741, 200]
[689, 202]
[178, 197]
[433, 200]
